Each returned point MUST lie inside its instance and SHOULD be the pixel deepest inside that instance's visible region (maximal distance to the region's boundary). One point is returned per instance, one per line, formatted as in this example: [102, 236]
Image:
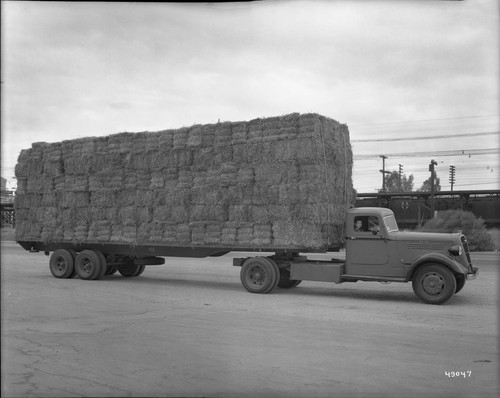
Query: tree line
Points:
[396, 182]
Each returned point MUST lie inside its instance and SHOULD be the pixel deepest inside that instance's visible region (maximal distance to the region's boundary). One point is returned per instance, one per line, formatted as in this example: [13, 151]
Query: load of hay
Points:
[272, 183]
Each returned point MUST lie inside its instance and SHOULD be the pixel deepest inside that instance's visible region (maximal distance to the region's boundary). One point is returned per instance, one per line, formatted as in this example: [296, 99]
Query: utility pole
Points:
[383, 171]
[400, 178]
[433, 176]
[452, 177]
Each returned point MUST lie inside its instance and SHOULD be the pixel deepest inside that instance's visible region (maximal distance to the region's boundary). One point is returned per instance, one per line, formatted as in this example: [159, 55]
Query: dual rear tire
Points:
[89, 265]
[262, 275]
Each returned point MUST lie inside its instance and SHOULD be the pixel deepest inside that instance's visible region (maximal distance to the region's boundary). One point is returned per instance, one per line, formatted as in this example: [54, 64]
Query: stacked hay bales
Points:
[280, 182]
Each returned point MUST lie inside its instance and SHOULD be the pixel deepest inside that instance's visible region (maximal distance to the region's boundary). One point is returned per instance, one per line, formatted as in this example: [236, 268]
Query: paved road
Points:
[190, 329]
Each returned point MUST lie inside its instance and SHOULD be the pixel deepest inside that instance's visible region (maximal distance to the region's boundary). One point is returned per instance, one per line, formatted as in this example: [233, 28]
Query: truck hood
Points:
[413, 245]
[426, 237]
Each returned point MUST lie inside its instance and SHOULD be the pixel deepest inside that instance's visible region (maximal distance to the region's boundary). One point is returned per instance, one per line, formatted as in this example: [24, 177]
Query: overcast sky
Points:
[390, 70]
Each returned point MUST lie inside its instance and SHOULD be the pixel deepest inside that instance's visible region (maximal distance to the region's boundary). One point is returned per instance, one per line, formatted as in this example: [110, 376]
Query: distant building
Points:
[3, 184]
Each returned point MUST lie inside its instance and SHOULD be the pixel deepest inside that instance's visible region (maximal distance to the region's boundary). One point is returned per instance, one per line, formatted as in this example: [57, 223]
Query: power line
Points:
[455, 152]
[425, 120]
[433, 137]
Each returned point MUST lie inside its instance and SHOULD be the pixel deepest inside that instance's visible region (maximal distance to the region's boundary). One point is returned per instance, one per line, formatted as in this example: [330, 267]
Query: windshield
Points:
[391, 224]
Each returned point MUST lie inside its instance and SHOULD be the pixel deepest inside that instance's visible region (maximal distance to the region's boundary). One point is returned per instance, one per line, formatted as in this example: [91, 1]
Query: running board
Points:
[346, 277]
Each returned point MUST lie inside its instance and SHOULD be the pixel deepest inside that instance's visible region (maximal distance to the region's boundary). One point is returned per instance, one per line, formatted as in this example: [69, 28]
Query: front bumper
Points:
[472, 275]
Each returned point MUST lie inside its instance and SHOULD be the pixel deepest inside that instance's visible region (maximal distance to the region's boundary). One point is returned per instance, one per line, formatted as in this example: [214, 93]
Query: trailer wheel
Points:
[285, 282]
[434, 284]
[73, 254]
[102, 265]
[259, 275]
[140, 270]
[129, 269]
[110, 270]
[62, 264]
[88, 264]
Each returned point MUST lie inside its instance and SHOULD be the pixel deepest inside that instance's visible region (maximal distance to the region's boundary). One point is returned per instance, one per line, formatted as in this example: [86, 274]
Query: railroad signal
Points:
[433, 176]
[452, 176]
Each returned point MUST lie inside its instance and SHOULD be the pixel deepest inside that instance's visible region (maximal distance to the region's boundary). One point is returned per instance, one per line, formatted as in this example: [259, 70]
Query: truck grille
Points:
[466, 250]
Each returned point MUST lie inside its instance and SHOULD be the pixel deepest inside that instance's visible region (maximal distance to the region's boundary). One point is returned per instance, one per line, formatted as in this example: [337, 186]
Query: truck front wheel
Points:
[62, 264]
[259, 275]
[434, 284]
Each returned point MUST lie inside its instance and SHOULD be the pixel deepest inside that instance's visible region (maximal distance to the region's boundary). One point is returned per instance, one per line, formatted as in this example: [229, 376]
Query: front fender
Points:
[436, 258]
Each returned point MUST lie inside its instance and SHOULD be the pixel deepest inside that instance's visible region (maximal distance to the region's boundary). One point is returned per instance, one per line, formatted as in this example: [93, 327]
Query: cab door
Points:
[367, 248]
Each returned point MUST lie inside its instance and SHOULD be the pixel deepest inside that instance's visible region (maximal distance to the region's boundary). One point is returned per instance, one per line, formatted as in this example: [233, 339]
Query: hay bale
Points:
[269, 183]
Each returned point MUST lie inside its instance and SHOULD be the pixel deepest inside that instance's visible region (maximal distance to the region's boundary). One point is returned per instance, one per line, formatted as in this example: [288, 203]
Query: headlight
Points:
[455, 250]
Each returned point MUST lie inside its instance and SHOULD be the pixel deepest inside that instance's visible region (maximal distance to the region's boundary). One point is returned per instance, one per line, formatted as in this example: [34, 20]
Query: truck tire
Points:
[140, 270]
[434, 284]
[259, 275]
[103, 266]
[110, 270]
[87, 264]
[129, 269]
[62, 264]
[285, 282]
[73, 254]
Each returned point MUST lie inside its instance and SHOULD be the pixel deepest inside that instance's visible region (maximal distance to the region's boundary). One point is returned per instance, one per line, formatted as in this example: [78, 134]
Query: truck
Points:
[279, 185]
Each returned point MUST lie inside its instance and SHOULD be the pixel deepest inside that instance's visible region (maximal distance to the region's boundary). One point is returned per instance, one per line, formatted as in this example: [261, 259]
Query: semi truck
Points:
[436, 264]
[282, 185]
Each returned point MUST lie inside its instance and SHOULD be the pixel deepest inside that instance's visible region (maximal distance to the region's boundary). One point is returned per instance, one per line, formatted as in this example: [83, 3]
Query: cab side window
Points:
[372, 223]
[361, 224]
[365, 223]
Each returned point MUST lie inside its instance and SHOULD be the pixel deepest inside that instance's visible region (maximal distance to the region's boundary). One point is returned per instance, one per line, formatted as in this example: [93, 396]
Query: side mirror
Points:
[375, 230]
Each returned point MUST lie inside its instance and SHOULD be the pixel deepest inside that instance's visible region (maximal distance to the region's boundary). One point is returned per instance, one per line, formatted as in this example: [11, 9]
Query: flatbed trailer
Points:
[437, 264]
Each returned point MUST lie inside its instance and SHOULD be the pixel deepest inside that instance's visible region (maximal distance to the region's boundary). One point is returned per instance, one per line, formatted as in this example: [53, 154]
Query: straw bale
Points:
[254, 132]
[143, 180]
[157, 180]
[170, 233]
[194, 136]
[116, 233]
[143, 232]
[239, 134]
[53, 168]
[197, 232]
[183, 234]
[246, 176]
[223, 134]
[244, 234]
[262, 234]
[22, 185]
[213, 237]
[208, 135]
[180, 138]
[48, 199]
[77, 183]
[239, 213]
[245, 183]
[129, 233]
[166, 140]
[21, 168]
[265, 194]
[270, 173]
[156, 231]
[179, 214]
[137, 160]
[260, 214]
[34, 167]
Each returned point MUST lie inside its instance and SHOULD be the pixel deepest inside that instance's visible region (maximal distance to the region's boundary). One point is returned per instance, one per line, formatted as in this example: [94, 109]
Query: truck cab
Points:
[437, 263]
